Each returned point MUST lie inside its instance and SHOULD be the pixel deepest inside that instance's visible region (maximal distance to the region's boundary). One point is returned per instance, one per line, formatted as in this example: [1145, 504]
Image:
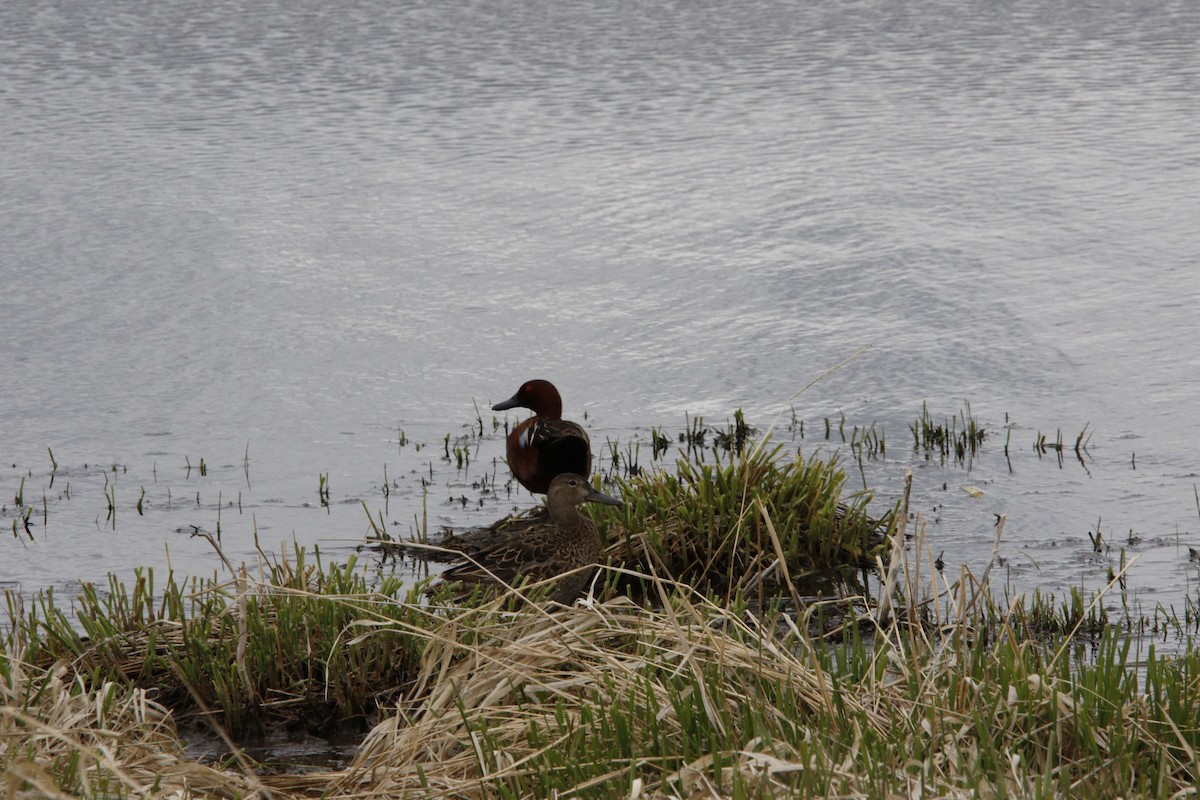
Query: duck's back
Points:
[547, 553]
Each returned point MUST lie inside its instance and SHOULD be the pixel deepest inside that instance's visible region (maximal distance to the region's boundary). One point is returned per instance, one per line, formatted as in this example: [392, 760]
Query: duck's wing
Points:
[547, 432]
[510, 559]
[533, 522]
[561, 446]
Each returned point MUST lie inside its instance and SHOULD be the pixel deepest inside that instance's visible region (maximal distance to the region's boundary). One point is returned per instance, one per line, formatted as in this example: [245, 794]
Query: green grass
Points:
[756, 519]
[958, 437]
[285, 647]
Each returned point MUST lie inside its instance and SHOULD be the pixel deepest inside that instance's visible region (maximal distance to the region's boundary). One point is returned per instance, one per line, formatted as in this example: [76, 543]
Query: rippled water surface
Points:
[296, 240]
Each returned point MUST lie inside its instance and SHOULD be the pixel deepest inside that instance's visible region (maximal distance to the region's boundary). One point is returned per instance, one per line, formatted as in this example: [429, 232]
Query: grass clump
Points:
[284, 648]
[958, 437]
[758, 520]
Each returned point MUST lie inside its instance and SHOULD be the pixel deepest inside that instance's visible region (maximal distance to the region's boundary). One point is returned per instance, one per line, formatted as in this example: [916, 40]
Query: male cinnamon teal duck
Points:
[544, 445]
[570, 542]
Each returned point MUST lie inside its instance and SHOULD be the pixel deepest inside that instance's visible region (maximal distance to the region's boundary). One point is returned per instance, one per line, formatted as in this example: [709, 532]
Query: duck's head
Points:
[572, 489]
[538, 396]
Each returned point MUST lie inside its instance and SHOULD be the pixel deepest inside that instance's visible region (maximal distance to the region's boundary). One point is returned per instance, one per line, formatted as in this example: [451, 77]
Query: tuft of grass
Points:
[660, 443]
[758, 519]
[287, 647]
[958, 437]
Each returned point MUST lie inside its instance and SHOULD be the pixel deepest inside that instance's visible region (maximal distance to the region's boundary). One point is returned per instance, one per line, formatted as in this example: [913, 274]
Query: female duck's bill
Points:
[545, 445]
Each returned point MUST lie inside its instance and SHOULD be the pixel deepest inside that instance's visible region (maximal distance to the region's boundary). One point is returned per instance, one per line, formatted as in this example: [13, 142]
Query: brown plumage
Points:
[545, 445]
[570, 542]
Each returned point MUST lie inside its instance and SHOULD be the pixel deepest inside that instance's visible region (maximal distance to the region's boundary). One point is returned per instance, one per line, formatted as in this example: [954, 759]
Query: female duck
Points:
[544, 445]
[570, 542]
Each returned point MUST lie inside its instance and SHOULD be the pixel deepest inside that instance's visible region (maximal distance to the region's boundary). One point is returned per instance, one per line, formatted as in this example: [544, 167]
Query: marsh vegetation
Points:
[752, 632]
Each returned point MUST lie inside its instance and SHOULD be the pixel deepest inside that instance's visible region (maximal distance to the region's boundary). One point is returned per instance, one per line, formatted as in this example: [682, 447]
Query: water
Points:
[274, 236]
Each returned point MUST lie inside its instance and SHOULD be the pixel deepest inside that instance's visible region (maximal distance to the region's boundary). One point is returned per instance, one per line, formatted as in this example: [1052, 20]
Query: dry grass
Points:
[475, 704]
[61, 736]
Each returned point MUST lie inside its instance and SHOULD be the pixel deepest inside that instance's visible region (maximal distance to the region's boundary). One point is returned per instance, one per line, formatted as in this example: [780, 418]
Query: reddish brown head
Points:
[538, 396]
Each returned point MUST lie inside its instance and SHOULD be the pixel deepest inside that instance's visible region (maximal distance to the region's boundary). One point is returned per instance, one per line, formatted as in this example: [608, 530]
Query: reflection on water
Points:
[289, 232]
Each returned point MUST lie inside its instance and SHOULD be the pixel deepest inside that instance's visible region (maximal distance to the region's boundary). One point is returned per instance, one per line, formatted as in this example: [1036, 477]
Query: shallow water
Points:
[274, 236]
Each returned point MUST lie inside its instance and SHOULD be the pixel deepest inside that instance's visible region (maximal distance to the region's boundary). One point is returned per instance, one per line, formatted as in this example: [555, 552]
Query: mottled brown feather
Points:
[571, 542]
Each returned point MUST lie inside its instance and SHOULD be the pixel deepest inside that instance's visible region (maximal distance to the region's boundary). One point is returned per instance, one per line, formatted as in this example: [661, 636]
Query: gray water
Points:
[286, 237]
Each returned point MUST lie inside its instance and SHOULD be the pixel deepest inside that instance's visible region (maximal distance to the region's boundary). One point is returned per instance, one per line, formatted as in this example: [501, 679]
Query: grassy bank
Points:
[721, 691]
